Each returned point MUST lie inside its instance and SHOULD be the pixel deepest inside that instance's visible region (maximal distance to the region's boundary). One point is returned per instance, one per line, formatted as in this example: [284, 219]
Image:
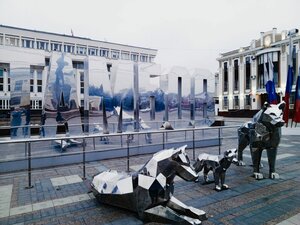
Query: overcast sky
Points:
[188, 33]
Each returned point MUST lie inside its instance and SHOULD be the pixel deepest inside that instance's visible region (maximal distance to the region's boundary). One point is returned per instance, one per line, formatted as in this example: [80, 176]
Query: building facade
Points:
[241, 80]
[31, 49]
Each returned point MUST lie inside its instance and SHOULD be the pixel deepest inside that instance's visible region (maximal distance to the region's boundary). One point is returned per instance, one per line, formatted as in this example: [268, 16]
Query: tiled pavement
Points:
[61, 196]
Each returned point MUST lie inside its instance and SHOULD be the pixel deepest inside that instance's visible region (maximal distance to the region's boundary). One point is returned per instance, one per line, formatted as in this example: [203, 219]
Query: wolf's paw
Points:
[258, 176]
[274, 176]
[225, 187]
[240, 163]
[218, 188]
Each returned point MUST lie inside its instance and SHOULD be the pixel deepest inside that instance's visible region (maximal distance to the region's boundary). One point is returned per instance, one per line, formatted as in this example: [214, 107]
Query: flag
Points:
[269, 82]
[288, 89]
[296, 117]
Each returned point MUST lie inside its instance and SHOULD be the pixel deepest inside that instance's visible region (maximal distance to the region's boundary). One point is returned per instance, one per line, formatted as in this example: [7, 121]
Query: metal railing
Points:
[160, 139]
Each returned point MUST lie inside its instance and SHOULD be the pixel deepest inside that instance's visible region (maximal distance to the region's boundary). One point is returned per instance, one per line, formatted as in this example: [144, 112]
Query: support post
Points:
[83, 158]
[29, 164]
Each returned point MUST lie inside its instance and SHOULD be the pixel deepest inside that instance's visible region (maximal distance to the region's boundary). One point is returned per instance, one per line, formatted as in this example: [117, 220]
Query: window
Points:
[115, 54]
[8, 83]
[36, 104]
[1, 39]
[47, 61]
[108, 65]
[247, 100]
[56, 47]
[263, 63]
[18, 85]
[151, 58]
[295, 64]
[225, 84]
[225, 101]
[81, 50]
[93, 51]
[236, 75]
[1, 79]
[104, 52]
[134, 57]
[236, 102]
[78, 65]
[125, 55]
[81, 82]
[4, 104]
[248, 73]
[69, 48]
[27, 43]
[12, 41]
[39, 80]
[31, 79]
[144, 58]
[42, 44]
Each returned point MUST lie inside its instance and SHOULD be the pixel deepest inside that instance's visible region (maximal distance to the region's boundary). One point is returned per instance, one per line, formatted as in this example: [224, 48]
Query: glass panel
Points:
[20, 102]
[61, 100]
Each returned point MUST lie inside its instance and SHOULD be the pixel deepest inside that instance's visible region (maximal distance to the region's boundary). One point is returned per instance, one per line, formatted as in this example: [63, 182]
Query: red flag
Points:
[296, 117]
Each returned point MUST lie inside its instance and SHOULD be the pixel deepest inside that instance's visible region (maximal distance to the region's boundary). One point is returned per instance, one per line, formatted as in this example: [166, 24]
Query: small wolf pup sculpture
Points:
[263, 132]
[218, 164]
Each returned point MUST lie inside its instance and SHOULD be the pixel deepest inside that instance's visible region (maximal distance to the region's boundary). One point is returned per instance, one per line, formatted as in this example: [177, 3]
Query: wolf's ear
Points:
[281, 105]
[266, 105]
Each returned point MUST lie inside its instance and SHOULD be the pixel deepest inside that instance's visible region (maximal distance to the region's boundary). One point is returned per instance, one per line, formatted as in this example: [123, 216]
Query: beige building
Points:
[240, 82]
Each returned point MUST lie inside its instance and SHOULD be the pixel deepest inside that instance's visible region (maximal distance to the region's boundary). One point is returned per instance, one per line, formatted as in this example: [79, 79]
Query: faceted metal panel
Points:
[151, 187]
[20, 102]
[61, 98]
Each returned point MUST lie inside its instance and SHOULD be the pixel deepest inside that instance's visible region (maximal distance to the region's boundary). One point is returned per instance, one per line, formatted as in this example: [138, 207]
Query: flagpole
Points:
[289, 80]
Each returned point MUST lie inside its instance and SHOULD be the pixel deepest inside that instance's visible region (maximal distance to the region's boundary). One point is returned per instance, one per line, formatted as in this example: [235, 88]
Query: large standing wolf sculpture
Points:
[149, 191]
[263, 132]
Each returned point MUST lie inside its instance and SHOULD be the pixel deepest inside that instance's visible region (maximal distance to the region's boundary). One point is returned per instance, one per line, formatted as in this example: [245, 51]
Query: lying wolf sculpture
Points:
[216, 163]
[149, 191]
[263, 132]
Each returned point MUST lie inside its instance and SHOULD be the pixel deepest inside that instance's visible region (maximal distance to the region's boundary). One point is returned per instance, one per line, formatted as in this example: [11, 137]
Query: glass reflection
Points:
[20, 102]
[61, 100]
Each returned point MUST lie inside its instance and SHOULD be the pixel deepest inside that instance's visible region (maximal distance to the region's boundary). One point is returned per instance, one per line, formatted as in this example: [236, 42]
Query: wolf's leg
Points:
[217, 180]
[271, 153]
[243, 140]
[166, 215]
[256, 157]
[183, 209]
[223, 185]
[205, 174]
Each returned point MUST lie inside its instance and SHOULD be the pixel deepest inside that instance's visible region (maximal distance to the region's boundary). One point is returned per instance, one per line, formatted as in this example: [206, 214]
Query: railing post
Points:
[128, 153]
[94, 144]
[83, 158]
[219, 129]
[28, 144]
[163, 140]
[194, 144]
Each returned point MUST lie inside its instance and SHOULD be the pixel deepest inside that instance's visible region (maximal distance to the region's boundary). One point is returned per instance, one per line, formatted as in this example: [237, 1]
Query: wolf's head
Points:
[272, 114]
[230, 155]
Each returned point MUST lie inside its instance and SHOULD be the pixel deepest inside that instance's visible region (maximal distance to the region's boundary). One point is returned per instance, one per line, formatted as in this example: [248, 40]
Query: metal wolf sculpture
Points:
[218, 164]
[149, 191]
[263, 132]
